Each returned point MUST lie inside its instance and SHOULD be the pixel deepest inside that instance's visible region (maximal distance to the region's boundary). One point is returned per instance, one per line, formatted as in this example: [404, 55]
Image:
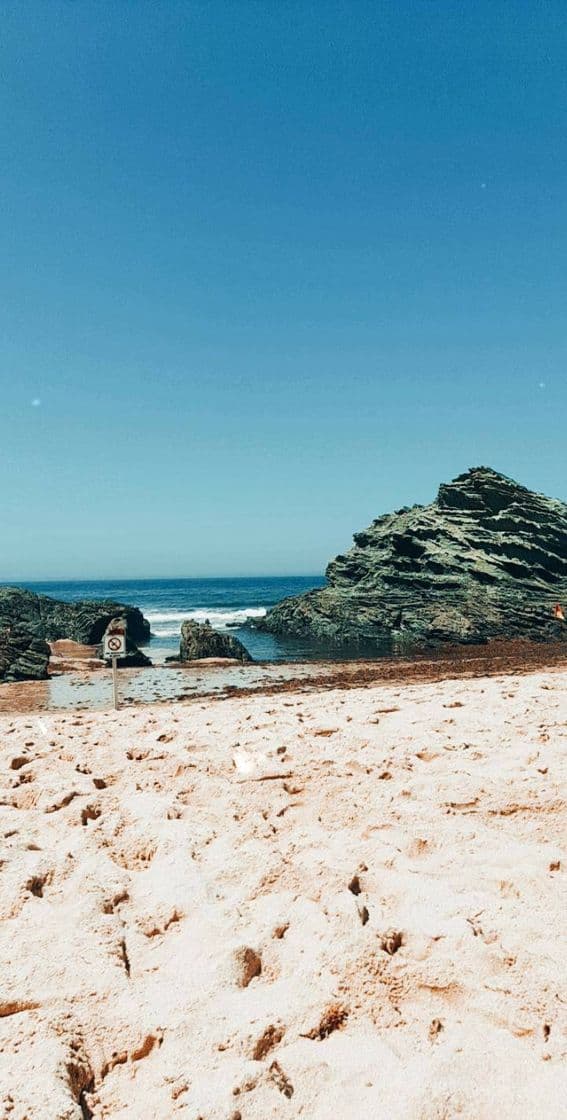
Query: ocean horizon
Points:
[226, 602]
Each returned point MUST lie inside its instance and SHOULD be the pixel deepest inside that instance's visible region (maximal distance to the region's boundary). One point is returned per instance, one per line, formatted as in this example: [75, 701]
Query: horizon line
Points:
[155, 579]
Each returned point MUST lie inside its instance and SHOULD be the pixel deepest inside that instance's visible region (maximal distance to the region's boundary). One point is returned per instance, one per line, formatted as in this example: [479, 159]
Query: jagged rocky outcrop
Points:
[200, 640]
[28, 621]
[22, 656]
[487, 559]
[83, 622]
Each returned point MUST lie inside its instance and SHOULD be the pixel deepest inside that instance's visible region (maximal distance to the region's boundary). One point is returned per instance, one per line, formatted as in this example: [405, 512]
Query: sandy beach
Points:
[283, 561]
[308, 903]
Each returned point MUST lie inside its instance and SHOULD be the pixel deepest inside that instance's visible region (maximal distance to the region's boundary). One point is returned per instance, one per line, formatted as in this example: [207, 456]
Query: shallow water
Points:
[93, 691]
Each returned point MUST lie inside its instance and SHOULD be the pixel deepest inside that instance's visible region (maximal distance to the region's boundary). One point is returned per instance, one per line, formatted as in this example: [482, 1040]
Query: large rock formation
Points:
[487, 559]
[22, 656]
[83, 622]
[200, 640]
[28, 621]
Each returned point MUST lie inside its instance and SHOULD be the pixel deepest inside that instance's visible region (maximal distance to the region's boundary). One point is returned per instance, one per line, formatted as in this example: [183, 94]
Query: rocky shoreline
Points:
[29, 622]
[487, 559]
[40, 636]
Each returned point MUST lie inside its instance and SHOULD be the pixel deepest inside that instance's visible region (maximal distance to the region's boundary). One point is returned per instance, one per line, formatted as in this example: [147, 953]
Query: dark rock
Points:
[22, 655]
[200, 640]
[28, 621]
[83, 622]
[487, 559]
[134, 658]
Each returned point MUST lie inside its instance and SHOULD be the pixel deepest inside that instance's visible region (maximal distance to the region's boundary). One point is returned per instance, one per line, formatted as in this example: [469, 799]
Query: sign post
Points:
[115, 682]
[115, 647]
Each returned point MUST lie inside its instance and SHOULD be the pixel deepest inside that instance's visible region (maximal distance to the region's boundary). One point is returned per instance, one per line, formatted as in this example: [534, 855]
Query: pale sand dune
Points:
[378, 933]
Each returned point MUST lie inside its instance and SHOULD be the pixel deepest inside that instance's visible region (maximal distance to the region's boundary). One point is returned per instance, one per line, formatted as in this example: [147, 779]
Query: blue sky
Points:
[269, 270]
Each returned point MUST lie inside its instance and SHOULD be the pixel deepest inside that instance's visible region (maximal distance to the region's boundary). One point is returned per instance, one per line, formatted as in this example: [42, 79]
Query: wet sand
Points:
[80, 682]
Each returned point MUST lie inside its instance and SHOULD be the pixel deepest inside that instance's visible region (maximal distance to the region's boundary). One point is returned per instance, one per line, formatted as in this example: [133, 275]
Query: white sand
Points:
[147, 875]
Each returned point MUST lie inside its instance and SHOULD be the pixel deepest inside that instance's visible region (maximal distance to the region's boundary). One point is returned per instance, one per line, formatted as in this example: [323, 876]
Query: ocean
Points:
[166, 603]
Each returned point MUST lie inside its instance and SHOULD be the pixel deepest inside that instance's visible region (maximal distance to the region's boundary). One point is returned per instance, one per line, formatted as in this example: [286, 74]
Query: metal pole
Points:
[115, 682]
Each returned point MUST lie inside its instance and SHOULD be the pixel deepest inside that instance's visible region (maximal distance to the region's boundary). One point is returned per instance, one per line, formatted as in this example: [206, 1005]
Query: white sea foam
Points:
[167, 624]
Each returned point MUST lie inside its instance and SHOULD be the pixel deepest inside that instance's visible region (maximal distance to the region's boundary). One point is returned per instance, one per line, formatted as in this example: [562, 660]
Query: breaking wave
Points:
[167, 624]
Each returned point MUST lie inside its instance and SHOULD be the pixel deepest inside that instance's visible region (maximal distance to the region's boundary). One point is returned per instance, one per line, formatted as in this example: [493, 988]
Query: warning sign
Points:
[114, 643]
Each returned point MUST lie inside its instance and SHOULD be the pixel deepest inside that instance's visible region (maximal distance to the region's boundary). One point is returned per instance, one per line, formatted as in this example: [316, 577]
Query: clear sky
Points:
[270, 269]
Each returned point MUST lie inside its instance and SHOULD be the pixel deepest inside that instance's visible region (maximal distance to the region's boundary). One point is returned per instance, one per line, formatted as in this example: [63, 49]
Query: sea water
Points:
[226, 603]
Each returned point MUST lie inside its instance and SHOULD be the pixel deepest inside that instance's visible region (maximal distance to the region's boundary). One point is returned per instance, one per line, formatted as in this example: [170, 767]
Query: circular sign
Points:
[114, 644]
